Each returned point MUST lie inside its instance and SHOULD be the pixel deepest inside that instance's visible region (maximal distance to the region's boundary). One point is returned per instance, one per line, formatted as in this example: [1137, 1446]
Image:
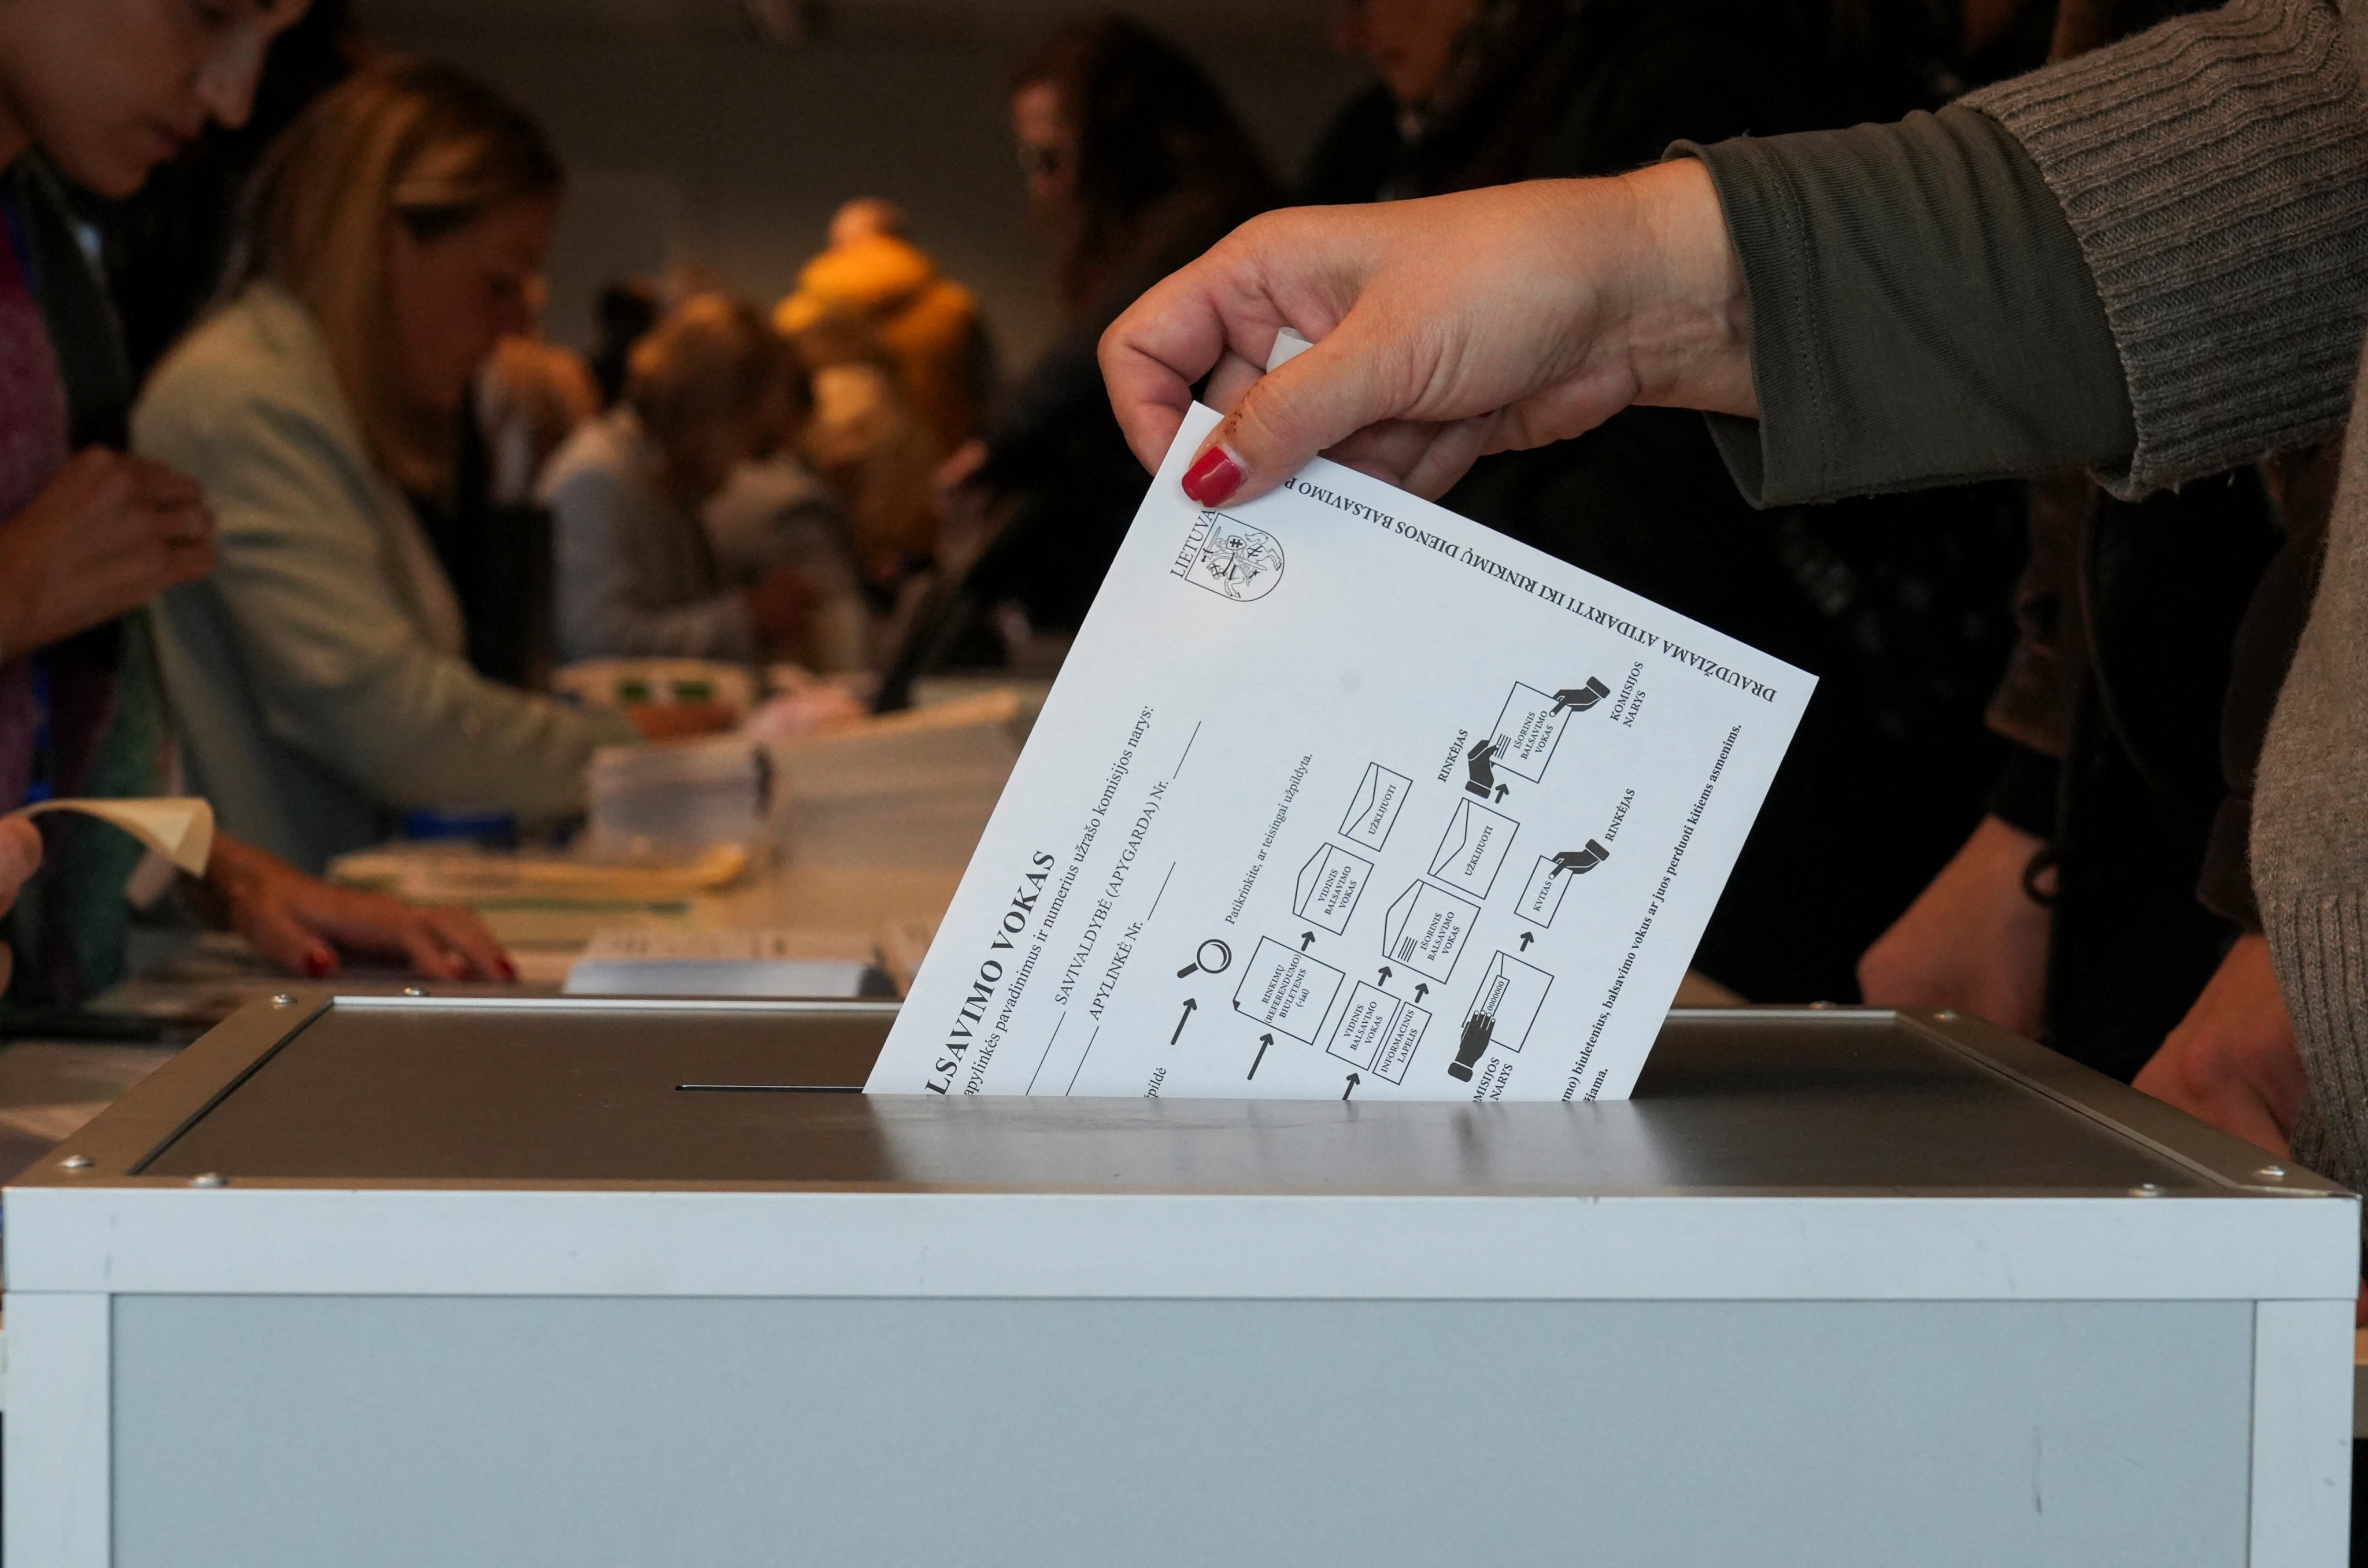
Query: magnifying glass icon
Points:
[1214, 958]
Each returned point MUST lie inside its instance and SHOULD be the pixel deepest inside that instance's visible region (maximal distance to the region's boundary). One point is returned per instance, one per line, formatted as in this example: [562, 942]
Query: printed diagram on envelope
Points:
[1267, 840]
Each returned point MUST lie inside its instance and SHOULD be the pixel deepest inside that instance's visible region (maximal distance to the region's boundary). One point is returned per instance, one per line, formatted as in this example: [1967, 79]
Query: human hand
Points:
[680, 720]
[779, 603]
[300, 921]
[1974, 939]
[959, 466]
[2232, 1060]
[21, 856]
[1443, 329]
[107, 535]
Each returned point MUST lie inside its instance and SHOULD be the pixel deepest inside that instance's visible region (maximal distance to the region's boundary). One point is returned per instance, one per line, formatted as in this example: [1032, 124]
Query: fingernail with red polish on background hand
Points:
[319, 963]
[1213, 477]
[509, 970]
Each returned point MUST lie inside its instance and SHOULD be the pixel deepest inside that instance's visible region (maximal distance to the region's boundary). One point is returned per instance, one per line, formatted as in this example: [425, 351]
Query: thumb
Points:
[1322, 397]
[21, 856]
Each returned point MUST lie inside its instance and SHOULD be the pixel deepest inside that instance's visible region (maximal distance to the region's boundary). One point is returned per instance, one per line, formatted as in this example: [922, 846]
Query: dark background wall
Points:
[692, 140]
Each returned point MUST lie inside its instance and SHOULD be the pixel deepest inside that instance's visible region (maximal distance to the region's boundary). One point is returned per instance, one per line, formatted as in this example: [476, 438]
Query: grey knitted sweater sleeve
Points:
[2214, 171]
[2151, 262]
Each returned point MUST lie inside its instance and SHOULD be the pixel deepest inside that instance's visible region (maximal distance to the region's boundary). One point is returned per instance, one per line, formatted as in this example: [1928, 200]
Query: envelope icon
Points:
[1473, 847]
[1375, 810]
[1426, 929]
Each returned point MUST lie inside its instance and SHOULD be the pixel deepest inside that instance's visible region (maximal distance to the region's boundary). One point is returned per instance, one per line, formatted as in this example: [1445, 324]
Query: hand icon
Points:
[1580, 861]
[1579, 699]
[1477, 760]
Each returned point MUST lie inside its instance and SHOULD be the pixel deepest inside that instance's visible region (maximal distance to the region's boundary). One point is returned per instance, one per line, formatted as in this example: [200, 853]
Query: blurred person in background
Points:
[866, 441]
[99, 92]
[1905, 627]
[623, 313]
[929, 323]
[167, 245]
[711, 392]
[1137, 164]
[319, 677]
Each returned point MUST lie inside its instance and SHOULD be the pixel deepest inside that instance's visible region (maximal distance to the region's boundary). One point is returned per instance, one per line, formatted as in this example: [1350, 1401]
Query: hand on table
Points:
[1443, 329]
[21, 856]
[2232, 1060]
[109, 534]
[1974, 939]
[682, 720]
[300, 921]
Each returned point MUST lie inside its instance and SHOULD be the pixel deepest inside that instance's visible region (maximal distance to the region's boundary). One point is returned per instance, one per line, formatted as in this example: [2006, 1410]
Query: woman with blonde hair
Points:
[396, 236]
[711, 390]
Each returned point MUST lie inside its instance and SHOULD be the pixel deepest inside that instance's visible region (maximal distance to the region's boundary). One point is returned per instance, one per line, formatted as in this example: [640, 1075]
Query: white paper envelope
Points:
[1511, 992]
[1285, 990]
[1328, 887]
[1378, 1033]
[1425, 930]
[1503, 1012]
[1375, 810]
[1474, 847]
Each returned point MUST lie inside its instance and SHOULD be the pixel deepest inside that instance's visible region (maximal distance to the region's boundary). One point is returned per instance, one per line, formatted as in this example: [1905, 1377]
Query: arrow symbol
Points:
[1305, 937]
[1526, 938]
[1188, 1005]
[1386, 972]
[1353, 1082]
[1264, 1040]
[1503, 790]
[1420, 992]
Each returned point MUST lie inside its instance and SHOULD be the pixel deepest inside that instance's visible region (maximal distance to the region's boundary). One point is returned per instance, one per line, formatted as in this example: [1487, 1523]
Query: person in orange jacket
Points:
[928, 323]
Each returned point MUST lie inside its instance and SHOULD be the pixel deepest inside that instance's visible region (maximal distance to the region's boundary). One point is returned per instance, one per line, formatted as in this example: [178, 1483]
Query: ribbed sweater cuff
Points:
[2216, 173]
[2320, 945]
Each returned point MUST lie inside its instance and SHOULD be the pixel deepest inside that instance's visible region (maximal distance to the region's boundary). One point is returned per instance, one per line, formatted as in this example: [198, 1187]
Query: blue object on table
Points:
[495, 830]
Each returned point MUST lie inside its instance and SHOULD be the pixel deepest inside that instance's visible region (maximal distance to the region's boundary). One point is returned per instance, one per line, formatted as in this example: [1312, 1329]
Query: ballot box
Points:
[390, 1282]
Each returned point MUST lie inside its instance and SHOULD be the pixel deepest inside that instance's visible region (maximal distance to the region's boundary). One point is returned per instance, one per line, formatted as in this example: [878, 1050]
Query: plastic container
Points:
[666, 801]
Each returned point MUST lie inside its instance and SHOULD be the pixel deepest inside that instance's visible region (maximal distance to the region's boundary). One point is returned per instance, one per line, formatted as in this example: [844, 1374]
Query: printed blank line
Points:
[1160, 895]
[1048, 1051]
[1081, 1061]
[1188, 752]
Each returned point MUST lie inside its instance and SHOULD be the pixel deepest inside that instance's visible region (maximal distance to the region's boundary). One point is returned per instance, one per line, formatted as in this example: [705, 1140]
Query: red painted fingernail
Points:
[319, 963]
[509, 970]
[1213, 477]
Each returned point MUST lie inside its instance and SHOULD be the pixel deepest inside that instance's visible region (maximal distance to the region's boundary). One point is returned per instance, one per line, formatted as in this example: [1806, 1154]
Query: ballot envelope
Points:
[417, 1281]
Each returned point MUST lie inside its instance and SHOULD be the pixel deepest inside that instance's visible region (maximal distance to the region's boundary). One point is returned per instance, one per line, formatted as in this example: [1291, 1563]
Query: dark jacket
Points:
[1903, 626]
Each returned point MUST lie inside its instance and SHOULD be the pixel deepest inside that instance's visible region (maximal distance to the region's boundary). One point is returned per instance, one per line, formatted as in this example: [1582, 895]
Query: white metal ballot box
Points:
[402, 1282]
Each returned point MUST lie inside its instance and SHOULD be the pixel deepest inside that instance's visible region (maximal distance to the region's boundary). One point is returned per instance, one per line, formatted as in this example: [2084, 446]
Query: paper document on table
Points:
[1340, 794]
[178, 827]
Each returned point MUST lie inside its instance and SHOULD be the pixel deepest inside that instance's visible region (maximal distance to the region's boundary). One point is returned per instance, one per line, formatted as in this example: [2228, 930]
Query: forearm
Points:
[1919, 312]
[419, 728]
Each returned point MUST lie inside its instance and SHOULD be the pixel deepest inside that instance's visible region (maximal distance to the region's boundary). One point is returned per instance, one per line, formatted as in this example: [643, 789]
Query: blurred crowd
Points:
[304, 506]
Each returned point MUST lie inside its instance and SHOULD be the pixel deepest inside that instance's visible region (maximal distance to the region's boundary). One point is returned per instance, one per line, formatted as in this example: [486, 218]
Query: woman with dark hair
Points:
[1135, 159]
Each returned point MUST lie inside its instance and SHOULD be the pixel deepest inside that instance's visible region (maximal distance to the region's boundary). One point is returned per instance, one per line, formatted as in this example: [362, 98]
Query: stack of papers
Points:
[641, 962]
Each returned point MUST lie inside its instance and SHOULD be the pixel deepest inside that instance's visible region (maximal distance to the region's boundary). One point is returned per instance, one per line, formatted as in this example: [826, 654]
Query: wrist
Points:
[1689, 313]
